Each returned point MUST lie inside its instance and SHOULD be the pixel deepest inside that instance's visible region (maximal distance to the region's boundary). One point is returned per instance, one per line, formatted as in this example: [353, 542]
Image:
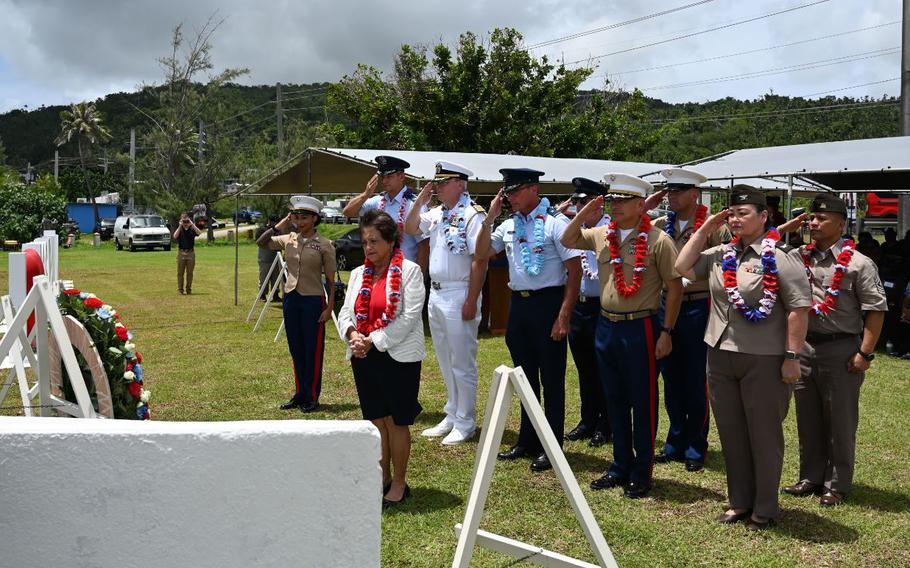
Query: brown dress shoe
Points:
[831, 498]
[754, 525]
[730, 518]
[803, 489]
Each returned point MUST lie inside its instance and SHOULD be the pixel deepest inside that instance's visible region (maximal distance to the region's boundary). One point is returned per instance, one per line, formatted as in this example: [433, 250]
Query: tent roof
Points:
[346, 170]
[850, 165]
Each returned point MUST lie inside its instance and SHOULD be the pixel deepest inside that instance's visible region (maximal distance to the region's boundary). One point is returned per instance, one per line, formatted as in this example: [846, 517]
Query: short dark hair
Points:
[383, 223]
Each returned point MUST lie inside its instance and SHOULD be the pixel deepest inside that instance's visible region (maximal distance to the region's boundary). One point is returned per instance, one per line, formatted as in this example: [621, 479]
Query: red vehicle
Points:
[881, 205]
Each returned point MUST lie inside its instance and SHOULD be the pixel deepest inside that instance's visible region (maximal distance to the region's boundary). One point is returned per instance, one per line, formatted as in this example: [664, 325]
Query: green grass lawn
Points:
[204, 363]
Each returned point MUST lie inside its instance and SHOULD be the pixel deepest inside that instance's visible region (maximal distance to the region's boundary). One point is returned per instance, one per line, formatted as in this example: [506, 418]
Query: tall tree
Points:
[182, 170]
[2, 153]
[84, 123]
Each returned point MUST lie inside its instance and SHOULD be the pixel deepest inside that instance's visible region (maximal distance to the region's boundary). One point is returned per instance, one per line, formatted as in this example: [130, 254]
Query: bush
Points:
[26, 206]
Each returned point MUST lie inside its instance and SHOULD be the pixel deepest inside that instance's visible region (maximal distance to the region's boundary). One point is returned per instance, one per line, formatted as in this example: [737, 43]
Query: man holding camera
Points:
[185, 235]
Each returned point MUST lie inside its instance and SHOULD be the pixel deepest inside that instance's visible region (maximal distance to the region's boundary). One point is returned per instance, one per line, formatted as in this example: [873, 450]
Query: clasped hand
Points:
[360, 344]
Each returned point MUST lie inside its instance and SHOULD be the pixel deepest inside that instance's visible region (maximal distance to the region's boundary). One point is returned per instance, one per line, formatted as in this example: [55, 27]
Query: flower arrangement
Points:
[114, 342]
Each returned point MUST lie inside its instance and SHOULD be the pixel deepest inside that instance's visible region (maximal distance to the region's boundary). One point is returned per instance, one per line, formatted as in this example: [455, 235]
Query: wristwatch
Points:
[791, 356]
[669, 330]
[866, 356]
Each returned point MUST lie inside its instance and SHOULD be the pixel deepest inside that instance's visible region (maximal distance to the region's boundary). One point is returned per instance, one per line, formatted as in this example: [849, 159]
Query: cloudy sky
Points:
[56, 51]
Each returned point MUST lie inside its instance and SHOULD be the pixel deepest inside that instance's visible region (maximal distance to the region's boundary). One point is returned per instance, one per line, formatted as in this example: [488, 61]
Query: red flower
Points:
[122, 333]
[72, 292]
[116, 316]
[135, 389]
[138, 357]
[93, 303]
[129, 366]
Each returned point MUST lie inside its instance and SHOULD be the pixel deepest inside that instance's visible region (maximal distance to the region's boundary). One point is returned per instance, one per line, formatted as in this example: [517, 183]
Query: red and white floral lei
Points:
[362, 305]
[840, 269]
[641, 254]
[769, 278]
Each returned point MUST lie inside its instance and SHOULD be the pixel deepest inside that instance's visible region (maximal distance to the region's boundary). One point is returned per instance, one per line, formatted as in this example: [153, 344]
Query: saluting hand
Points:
[495, 206]
[654, 199]
[592, 211]
[371, 185]
[425, 194]
[280, 226]
[793, 224]
[716, 221]
[564, 205]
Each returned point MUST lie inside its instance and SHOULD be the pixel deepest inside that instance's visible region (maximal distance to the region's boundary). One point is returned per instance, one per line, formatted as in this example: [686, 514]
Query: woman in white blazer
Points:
[382, 322]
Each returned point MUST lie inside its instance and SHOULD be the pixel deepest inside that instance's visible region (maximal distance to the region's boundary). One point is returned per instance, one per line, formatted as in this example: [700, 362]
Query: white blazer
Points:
[403, 337]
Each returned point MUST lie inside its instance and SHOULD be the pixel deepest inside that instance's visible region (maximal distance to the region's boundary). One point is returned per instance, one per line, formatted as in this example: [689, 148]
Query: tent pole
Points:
[309, 171]
[236, 245]
[789, 203]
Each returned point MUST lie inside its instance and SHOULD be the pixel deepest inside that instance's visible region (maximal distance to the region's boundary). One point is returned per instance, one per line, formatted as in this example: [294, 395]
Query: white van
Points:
[141, 231]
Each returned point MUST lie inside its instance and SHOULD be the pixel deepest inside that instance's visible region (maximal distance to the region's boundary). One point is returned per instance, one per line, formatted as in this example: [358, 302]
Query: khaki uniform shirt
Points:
[718, 237]
[307, 260]
[861, 291]
[727, 329]
[660, 268]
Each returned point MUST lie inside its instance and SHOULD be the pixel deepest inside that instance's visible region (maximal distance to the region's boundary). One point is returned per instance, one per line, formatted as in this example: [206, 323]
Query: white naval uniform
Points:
[393, 207]
[454, 339]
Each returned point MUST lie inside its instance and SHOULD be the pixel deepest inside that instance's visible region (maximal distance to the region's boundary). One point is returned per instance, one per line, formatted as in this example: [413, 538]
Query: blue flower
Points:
[83, 295]
[103, 314]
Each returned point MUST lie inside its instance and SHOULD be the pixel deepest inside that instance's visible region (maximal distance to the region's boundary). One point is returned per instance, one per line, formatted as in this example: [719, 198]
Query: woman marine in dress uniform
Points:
[760, 300]
[309, 256]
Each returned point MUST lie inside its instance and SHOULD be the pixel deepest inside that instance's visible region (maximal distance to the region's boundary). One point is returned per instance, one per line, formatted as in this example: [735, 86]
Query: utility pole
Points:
[132, 179]
[903, 219]
[279, 115]
[56, 165]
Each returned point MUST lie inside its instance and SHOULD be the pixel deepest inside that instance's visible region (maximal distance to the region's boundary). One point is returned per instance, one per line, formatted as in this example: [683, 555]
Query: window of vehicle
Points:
[147, 222]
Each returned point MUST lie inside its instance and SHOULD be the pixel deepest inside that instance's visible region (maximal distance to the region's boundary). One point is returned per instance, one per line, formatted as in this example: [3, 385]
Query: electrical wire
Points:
[773, 113]
[701, 32]
[617, 25]
[851, 87]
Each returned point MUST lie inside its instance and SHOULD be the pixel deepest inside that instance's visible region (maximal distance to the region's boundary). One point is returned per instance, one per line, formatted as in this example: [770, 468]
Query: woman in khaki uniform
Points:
[756, 327]
[309, 256]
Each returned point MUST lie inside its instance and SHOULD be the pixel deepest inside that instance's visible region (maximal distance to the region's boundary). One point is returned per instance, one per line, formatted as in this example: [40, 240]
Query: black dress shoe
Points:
[695, 465]
[289, 405]
[580, 432]
[637, 490]
[730, 518]
[754, 525]
[608, 482]
[513, 453]
[541, 463]
[307, 407]
[386, 487]
[386, 503]
[663, 457]
[803, 489]
[598, 439]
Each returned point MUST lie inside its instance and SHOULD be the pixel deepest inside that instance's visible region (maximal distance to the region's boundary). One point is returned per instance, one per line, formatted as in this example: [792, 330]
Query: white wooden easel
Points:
[282, 268]
[506, 382]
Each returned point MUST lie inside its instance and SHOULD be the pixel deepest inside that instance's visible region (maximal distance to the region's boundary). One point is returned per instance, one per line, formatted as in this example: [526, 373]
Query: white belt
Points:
[435, 285]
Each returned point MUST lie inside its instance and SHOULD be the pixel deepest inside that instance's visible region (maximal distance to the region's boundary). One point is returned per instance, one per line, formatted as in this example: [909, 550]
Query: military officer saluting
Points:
[848, 309]
[683, 370]
[583, 325]
[459, 244]
[635, 261]
[396, 199]
[757, 324]
[544, 277]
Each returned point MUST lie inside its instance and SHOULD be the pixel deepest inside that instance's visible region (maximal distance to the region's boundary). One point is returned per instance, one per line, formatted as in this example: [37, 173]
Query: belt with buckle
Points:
[532, 293]
[627, 316]
[696, 296]
[584, 299]
[816, 338]
[447, 285]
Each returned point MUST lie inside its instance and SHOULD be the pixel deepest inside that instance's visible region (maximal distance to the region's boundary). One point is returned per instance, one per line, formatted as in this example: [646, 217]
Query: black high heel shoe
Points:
[386, 503]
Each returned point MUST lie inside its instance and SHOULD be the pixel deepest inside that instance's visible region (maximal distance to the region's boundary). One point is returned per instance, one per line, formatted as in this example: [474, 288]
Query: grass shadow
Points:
[330, 408]
[879, 499]
[587, 463]
[426, 500]
[812, 527]
[673, 491]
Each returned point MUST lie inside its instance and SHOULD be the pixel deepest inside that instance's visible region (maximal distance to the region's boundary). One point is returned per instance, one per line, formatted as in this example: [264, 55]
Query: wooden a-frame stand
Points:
[506, 382]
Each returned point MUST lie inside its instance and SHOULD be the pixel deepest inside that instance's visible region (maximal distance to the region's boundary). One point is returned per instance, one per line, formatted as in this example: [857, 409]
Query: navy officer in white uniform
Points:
[459, 244]
[396, 199]
[544, 277]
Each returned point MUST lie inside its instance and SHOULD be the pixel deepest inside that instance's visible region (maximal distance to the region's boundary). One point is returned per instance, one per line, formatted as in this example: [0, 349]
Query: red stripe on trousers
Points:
[317, 356]
[652, 386]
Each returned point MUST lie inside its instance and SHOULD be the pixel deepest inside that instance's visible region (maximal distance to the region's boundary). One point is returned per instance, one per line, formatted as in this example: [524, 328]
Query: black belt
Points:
[187, 250]
[627, 316]
[696, 296]
[541, 291]
[584, 299]
[816, 338]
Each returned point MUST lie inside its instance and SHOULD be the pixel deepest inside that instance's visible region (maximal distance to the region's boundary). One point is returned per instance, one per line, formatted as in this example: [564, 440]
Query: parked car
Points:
[349, 250]
[141, 231]
[332, 215]
[107, 228]
[216, 224]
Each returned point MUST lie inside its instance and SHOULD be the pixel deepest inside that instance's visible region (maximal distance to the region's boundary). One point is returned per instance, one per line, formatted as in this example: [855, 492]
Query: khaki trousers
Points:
[827, 413]
[186, 262]
[750, 402]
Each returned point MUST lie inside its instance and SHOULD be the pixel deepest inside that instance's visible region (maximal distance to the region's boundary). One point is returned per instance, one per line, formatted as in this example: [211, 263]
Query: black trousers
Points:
[582, 329]
[542, 359]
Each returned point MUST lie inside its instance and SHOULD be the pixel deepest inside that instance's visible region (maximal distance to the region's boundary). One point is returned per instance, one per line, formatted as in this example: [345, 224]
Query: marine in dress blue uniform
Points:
[542, 300]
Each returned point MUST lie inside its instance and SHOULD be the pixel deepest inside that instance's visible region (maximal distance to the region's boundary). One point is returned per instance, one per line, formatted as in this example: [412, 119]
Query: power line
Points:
[304, 108]
[851, 87]
[247, 111]
[618, 25]
[693, 34]
[246, 126]
[311, 89]
[772, 113]
[769, 48]
[779, 70]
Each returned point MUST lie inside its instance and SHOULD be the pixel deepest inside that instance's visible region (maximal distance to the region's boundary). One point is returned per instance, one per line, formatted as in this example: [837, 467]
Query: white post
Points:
[16, 277]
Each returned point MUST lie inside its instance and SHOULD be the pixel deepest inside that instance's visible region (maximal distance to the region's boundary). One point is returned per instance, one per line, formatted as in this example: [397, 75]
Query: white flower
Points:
[118, 324]
[115, 351]
[129, 376]
[145, 396]
[107, 307]
[130, 346]
[90, 296]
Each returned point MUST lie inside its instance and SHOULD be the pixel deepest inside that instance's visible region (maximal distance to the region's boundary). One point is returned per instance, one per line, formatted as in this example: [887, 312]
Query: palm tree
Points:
[84, 122]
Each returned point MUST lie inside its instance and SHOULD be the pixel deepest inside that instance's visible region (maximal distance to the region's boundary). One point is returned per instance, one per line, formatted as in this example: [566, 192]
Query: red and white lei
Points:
[701, 212]
[769, 278]
[402, 209]
[362, 305]
[641, 254]
[840, 269]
